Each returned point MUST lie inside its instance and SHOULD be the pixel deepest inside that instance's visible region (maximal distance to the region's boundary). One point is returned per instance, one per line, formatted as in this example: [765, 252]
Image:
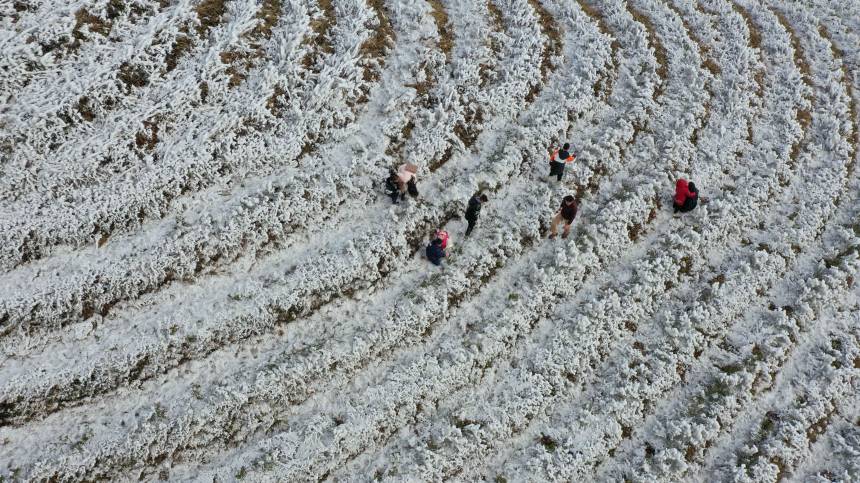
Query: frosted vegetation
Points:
[203, 279]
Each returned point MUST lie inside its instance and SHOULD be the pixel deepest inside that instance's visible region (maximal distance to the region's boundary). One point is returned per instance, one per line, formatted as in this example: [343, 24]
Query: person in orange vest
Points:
[558, 159]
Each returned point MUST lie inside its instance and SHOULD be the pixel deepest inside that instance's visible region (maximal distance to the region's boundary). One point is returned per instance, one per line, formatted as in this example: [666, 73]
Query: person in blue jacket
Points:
[435, 252]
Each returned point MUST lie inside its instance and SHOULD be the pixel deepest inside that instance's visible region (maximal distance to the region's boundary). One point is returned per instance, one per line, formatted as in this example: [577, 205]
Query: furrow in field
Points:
[836, 453]
[253, 143]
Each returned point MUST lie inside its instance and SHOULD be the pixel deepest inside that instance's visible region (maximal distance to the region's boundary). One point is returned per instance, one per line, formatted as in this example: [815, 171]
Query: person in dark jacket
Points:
[392, 187]
[435, 252]
[558, 159]
[686, 196]
[474, 209]
[566, 212]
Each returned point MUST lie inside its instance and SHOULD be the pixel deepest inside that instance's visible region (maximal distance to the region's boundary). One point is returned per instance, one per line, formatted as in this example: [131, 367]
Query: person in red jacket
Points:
[558, 159]
[686, 196]
[566, 212]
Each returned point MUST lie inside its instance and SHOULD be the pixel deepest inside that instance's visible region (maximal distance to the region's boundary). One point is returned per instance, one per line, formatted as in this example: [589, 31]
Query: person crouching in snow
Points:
[686, 196]
[435, 252]
[558, 159]
[406, 176]
[566, 212]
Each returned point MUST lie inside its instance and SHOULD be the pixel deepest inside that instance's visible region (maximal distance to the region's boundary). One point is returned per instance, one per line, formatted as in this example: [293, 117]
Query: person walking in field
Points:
[558, 160]
[473, 209]
[566, 213]
[686, 196]
[435, 252]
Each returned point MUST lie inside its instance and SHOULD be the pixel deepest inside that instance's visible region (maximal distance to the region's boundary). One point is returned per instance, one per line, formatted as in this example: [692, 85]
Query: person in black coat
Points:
[392, 188]
[435, 252]
[473, 210]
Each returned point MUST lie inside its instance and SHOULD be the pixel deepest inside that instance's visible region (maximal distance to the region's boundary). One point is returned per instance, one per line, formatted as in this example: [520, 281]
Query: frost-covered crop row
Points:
[208, 146]
[837, 455]
[205, 231]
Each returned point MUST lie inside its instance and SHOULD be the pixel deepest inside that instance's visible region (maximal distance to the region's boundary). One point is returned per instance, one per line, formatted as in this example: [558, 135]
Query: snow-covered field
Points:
[203, 280]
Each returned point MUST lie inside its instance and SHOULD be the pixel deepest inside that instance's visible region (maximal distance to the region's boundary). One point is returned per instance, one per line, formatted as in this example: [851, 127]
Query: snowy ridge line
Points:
[705, 410]
[106, 370]
[776, 441]
[677, 441]
[841, 40]
[517, 157]
[456, 370]
[262, 214]
[568, 464]
[546, 375]
[113, 87]
[151, 194]
[503, 99]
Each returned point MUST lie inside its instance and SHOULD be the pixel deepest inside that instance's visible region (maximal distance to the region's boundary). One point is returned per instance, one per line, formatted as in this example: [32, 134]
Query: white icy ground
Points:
[201, 279]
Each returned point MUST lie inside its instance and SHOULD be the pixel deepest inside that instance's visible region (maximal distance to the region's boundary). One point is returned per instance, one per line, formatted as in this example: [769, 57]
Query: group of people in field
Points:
[403, 181]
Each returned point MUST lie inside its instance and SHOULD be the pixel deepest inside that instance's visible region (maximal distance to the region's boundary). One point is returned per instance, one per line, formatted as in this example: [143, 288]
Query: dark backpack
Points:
[412, 188]
[391, 184]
